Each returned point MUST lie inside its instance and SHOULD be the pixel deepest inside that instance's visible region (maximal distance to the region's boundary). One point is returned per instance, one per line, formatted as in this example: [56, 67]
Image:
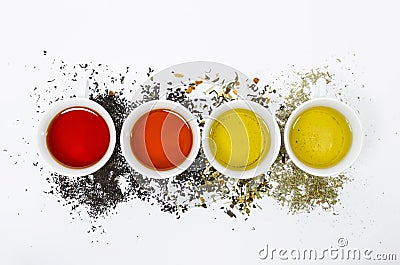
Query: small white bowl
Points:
[356, 129]
[272, 125]
[135, 115]
[42, 134]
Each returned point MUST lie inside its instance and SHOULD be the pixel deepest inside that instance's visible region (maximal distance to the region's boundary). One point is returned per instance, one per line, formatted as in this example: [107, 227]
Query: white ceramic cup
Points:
[356, 130]
[264, 165]
[42, 133]
[135, 115]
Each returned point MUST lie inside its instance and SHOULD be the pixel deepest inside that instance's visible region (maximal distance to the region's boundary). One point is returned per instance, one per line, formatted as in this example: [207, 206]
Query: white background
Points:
[256, 37]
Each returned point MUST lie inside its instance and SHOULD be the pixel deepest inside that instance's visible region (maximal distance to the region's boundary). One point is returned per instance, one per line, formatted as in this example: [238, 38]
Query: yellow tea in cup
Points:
[320, 137]
[239, 139]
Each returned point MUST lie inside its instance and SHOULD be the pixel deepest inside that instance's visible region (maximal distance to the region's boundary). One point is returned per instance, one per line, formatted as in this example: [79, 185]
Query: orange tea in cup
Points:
[161, 139]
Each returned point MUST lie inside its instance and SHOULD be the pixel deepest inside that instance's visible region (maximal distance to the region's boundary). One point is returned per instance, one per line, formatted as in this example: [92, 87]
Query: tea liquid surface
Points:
[161, 139]
[239, 139]
[320, 137]
[78, 137]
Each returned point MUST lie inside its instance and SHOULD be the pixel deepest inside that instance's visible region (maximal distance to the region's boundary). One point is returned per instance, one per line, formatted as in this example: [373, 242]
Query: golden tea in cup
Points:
[239, 139]
[320, 137]
[323, 136]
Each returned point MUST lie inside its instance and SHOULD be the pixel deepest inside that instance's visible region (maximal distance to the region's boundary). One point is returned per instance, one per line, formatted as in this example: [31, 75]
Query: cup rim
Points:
[272, 125]
[141, 110]
[42, 133]
[356, 129]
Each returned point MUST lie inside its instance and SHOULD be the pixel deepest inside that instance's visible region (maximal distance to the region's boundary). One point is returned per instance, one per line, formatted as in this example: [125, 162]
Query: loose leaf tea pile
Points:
[201, 185]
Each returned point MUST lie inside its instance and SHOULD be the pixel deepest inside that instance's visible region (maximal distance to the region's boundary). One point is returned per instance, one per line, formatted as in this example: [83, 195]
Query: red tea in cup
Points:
[78, 137]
